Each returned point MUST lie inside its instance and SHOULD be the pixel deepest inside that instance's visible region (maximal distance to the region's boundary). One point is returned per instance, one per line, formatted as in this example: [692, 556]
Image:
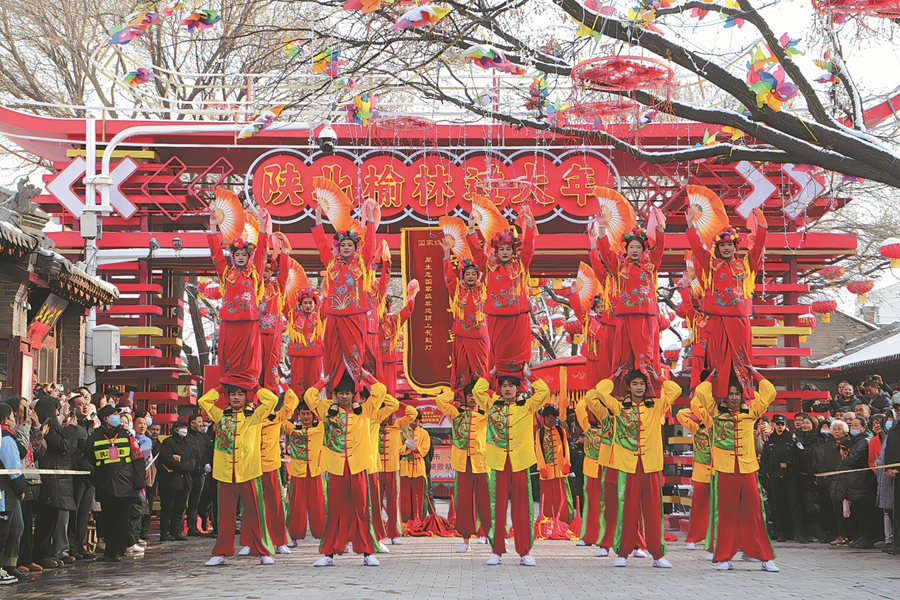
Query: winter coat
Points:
[58, 490]
[173, 474]
[858, 486]
[202, 447]
[778, 456]
[880, 403]
[119, 477]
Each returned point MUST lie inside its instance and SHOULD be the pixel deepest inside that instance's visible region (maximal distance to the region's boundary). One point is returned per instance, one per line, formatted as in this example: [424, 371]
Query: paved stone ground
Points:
[425, 568]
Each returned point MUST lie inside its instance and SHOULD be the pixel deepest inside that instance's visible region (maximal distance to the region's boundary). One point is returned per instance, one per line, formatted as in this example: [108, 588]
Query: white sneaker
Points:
[266, 560]
[527, 561]
[135, 550]
[638, 553]
[481, 540]
[292, 544]
[709, 556]
[142, 543]
[725, 566]
[748, 558]
[580, 543]
[6, 578]
[620, 561]
[397, 541]
[769, 565]
[324, 561]
[601, 552]
[690, 546]
[661, 563]
[463, 548]
[494, 560]
[382, 549]
[215, 561]
[282, 550]
[369, 560]
[245, 551]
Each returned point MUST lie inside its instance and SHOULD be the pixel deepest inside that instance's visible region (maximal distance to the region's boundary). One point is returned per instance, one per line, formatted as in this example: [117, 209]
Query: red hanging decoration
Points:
[807, 320]
[832, 272]
[405, 123]
[886, 9]
[860, 286]
[622, 73]
[823, 305]
[573, 326]
[890, 248]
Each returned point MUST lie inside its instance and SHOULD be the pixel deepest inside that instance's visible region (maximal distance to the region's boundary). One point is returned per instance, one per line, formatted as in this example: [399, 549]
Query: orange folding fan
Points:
[618, 212]
[455, 231]
[229, 214]
[490, 220]
[335, 204]
[296, 280]
[251, 230]
[712, 219]
[590, 287]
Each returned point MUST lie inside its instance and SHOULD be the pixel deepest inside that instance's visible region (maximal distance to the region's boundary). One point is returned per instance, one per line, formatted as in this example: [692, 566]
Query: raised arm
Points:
[261, 253]
[604, 392]
[215, 242]
[701, 412]
[656, 254]
[267, 402]
[315, 399]
[608, 259]
[594, 406]
[754, 255]
[388, 408]
[368, 249]
[671, 391]
[208, 403]
[539, 397]
[705, 400]
[444, 402]
[701, 254]
[478, 254]
[482, 393]
[284, 268]
[684, 417]
[291, 401]
[321, 242]
[764, 397]
[526, 253]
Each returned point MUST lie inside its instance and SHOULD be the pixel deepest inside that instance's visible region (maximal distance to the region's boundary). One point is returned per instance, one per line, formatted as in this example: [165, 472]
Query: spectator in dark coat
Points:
[808, 439]
[858, 487]
[875, 397]
[200, 442]
[178, 462]
[844, 400]
[57, 491]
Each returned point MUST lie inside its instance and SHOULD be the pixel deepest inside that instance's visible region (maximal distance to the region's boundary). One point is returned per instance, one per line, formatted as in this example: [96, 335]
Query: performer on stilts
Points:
[701, 472]
[307, 497]
[510, 455]
[471, 494]
[415, 444]
[241, 281]
[305, 347]
[373, 330]
[737, 512]
[728, 284]
[633, 280]
[470, 346]
[554, 464]
[237, 468]
[345, 295]
[637, 454]
[271, 321]
[388, 471]
[346, 458]
[390, 327]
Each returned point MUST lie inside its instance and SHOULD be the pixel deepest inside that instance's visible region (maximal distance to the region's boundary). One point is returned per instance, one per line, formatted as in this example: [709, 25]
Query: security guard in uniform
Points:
[117, 471]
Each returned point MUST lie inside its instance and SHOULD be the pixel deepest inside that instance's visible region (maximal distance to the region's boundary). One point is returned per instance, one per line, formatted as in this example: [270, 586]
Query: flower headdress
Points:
[507, 236]
[349, 234]
[729, 234]
[467, 263]
[638, 233]
[240, 244]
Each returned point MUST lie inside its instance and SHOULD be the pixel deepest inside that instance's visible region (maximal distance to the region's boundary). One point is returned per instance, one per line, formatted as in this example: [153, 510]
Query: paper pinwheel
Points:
[260, 121]
[771, 88]
[538, 93]
[423, 15]
[489, 57]
[830, 68]
[295, 48]
[362, 110]
[201, 19]
[366, 6]
[327, 62]
[138, 77]
[170, 7]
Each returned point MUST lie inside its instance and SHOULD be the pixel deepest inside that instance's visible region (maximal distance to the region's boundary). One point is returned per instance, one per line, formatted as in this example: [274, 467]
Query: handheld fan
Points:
[229, 214]
[455, 231]
[713, 218]
[618, 212]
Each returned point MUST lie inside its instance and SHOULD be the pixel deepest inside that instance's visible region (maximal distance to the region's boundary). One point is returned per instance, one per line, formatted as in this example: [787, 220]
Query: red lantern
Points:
[672, 353]
[807, 320]
[890, 248]
[213, 291]
[832, 272]
[557, 322]
[860, 286]
[663, 322]
[573, 326]
[823, 305]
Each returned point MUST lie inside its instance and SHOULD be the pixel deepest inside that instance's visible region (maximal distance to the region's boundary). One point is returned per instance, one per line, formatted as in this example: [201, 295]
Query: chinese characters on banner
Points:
[46, 318]
[433, 184]
[426, 356]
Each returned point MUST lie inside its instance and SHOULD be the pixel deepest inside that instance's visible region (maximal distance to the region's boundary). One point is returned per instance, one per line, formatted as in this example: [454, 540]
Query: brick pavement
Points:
[428, 568]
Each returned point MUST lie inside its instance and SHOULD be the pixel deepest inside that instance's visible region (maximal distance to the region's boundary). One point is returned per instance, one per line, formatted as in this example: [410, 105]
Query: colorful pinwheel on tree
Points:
[365, 6]
[169, 8]
[730, 20]
[556, 113]
[419, 16]
[138, 77]
[362, 110]
[830, 67]
[489, 57]
[201, 18]
[133, 26]
[327, 61]
[295, 48]
[260, 121]
[643, 18]
[538, 93]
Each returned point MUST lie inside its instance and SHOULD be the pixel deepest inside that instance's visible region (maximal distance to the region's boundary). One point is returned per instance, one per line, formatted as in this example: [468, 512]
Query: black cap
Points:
[634, 374]
[779, 420]
[549, 411]
[113, 391]
[180, 423]
[107, 410]
[346, 384]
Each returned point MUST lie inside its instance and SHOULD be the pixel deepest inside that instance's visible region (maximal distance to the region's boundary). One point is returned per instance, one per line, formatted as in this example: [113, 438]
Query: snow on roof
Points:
[888, 347]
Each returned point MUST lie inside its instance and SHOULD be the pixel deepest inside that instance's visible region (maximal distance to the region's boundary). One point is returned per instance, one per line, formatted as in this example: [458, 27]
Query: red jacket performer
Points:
[728, 284]
[737, 515]
[345, 295]
[305, 348]
[271, 322]
[470, 346]
[346, 457]
[633, 280]
[507, 307]
[240, 357]
[237, 467]
[509, 455]
[390, 329]
[637, 454]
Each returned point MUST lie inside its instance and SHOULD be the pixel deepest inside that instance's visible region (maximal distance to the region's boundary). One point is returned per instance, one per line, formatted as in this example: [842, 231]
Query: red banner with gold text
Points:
[426, 355]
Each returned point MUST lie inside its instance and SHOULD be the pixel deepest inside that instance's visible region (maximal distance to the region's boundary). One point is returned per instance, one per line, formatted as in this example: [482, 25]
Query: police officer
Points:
[779, 468]
[178, 458]
[117, 471]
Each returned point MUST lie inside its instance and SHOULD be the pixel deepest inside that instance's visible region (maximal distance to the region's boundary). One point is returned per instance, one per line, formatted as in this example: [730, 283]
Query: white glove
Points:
[411, 444]
[207, 468]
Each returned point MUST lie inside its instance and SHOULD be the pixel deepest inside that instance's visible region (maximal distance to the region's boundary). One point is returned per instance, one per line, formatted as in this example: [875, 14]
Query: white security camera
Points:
[327, 139]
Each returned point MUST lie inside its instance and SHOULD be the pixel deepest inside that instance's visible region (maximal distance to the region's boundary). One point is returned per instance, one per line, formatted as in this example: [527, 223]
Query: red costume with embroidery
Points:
[345, 302]
[390, 345]
[728, 304]
[470, 346]
[506, 306]
[635, 308]
[239, 355]
[271, 326]
[599, 330]
[373, 331]
[305, 347]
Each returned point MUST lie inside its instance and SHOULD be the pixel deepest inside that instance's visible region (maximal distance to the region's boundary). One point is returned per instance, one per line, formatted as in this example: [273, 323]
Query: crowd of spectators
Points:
[45, 518]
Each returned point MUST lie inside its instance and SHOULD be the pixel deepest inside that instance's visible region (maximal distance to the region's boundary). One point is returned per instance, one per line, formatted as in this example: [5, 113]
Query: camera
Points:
[327, 139]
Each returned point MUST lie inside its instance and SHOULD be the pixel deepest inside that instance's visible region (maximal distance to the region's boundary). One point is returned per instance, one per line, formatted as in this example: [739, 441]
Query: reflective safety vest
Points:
[108, 451]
